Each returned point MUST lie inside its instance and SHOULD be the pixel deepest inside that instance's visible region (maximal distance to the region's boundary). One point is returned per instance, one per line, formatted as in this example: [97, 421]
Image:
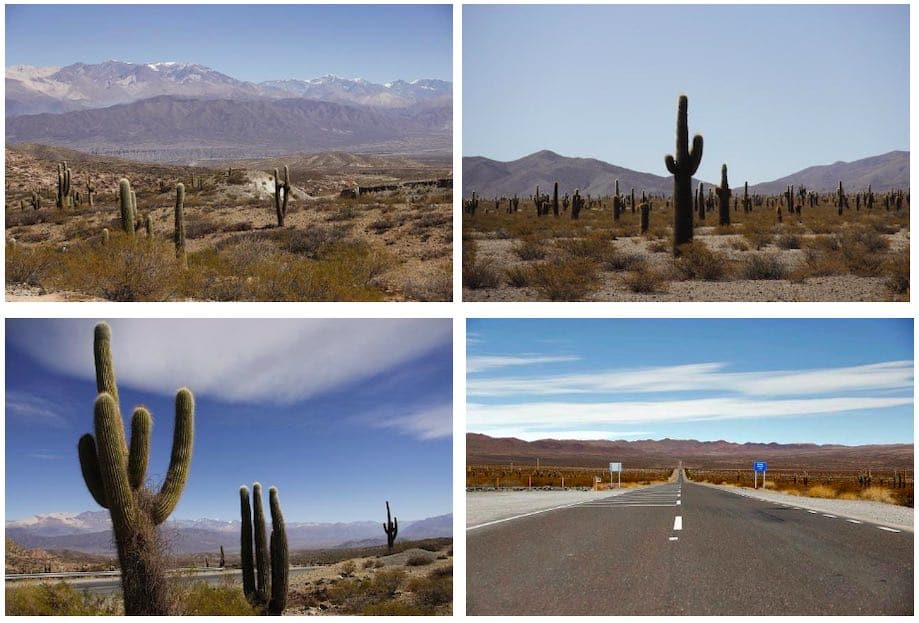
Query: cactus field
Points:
[555, 477]
[84, 227]
[697, 243]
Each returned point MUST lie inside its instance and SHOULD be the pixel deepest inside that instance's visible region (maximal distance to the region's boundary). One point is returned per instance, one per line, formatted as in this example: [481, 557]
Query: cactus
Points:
[127, 206]
[577, 203]
[632, 202]
[64, 198]
[148, 226]
[841, 200]
[105, 235]
[223, 560]
[280, 202]
[700, 202]
[90, 191]
[747, 202]
[115, 474]
[473, 204]
[683, 167]
[645, 217]
[617, 208]
[724, 198]
[36, 200]
[179, 231]
[790, 199]
[265, 588]
[555, 199]
[391, 528]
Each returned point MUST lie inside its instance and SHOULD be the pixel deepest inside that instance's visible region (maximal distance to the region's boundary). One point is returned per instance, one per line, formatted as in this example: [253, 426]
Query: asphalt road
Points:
[684, 548]
[111, 583]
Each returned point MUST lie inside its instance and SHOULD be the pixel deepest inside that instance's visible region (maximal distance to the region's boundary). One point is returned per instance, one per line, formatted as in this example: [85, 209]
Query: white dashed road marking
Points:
[678, 523]
[853, 520]
[812, 512]
[830, 516]
[887, 529]
[674, 538]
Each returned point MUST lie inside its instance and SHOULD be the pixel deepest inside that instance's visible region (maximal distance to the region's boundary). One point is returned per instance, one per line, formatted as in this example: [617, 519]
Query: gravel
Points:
[485, 506]
[872, 512]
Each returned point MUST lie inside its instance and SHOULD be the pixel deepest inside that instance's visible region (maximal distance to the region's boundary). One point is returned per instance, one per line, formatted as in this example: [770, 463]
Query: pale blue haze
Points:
[379, 43]
[773, 89]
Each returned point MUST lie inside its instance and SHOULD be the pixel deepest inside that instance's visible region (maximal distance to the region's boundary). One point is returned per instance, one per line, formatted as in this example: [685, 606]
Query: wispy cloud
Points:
[34, 409]
[271, 360]
[530, 416]
[891, 375]
[45, 456]
[428, 423]
[481, 363]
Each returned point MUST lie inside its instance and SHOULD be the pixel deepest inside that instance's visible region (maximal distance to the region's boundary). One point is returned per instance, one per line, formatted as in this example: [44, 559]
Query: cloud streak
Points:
[481, 363]
[34, 409]
[277, 361]
[885, 376]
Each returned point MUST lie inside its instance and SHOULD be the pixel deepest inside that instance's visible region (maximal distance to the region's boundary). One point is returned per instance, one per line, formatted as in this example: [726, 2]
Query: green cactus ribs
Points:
[115, 474]
[264, 587]
[683, 166]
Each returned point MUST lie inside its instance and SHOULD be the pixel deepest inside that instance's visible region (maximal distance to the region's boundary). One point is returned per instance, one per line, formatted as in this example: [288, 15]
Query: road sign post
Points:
[615, 467]
[759, 466]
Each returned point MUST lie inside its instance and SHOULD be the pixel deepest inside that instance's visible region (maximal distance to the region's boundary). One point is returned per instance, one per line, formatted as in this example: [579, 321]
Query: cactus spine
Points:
[264, 588]
[179, 233]
[683, 167]
[724, 198]
[127, 206]
[281, 194]
[391, 527]
[115, 474]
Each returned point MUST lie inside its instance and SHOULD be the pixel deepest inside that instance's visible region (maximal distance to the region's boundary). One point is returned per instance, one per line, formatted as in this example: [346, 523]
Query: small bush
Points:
[477, 274]
[821, 491]
[697, 261]
[530, 249]
[59, 599]
[386, 582]
[433, 591]
[739, 244]
[768, 266]
[788, 241]
[202, 599]
[645, 280]
[878, 494]
[418, 560]
[518, 276]
[567, 280]
[28, 265]
[898, 273]
[347, 569]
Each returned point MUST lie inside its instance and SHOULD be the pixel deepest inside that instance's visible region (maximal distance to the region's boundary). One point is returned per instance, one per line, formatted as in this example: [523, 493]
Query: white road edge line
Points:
[887, 529]
[853, 520]
[678, 522]
[812, 512]
[497, 521]
[830, 516]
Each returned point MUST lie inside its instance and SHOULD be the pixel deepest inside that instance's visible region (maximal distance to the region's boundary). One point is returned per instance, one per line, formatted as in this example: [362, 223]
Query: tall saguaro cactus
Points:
[281, 194]
[724, 198]
[64, 196]
[115, 473]
[683, 166]
[264, 588]
[127, 206]
[179, 233]
[391, 528]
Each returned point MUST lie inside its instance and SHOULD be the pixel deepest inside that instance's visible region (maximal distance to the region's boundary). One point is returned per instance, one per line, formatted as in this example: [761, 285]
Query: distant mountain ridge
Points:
[91, 532]
[81, 86]
[490, 178]
[173, 128]
[647, 453]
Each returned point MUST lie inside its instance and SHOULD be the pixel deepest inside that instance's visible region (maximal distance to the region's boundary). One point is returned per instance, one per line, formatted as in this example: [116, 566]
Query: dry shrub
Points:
[659, 246]
[310, 242]
[28, 265]
[434, 590]
[697, 261]
[418, 560]
[200, 226]
[897, 270]
[59, 599]
[530, 249]
[477, 274]
[387, 582]
[788, 241]
[767, 266]
[518, 276]
[566, 280]
[202, 599]
[739, 244]
[434, 285]
[645, 280]
[878, 494]
[821, 491]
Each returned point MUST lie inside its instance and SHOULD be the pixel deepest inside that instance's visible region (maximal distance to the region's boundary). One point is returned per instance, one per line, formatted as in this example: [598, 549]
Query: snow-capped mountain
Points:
[91, 532]
[81, 86]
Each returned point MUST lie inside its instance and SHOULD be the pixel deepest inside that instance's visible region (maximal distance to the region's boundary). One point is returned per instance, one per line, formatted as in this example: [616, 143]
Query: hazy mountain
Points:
[91, 532]
[32, 90]
[888, 171]
[489, 178]
[170, 128]
[482, 449]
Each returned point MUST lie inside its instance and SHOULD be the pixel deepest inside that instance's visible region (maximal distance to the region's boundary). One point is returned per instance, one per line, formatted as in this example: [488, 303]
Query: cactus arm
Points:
[279, 556]
[179, 462]
[105, 368]
[671, 164]
[141, 425]
[89, 465]
[113, 463]
[245, 550]
[261, 547]
[695, 156]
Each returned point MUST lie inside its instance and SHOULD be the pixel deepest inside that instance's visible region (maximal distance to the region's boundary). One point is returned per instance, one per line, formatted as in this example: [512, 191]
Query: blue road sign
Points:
[759, 466]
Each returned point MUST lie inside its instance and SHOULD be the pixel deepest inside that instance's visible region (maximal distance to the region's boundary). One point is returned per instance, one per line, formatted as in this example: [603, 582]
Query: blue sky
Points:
[248, 42]
[773, 89]
[741, 380]
[340, 415]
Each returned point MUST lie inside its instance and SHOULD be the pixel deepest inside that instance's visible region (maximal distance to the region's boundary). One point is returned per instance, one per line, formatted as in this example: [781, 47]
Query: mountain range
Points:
[490, 178]
[666, 453]
[91, 532]
[81, 86]
[177, 112]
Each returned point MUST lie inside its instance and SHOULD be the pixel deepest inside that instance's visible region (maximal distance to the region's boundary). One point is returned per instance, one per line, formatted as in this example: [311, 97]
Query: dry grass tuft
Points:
[765, 266]
[697, 261]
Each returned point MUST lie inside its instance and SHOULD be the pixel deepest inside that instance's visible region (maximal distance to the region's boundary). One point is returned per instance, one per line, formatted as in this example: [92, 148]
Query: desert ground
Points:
[392, 242]
[416, 578]
[817, 255]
